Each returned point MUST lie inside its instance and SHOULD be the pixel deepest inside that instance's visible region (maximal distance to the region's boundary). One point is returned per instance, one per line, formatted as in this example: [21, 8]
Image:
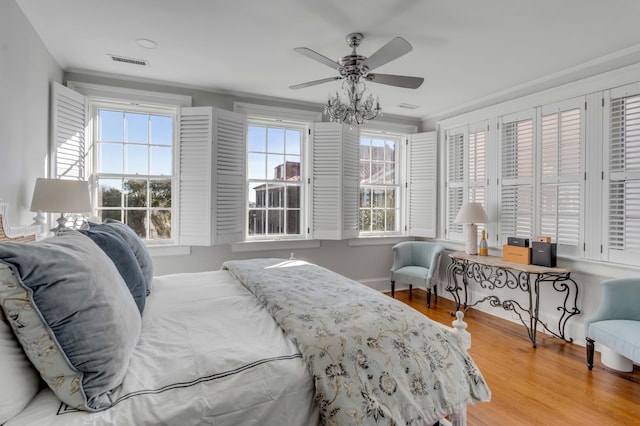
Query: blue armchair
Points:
[616, 323]
[416, 263]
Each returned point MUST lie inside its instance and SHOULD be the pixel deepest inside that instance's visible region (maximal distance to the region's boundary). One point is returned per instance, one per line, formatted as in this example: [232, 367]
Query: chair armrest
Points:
[401, 256]
[435, 262]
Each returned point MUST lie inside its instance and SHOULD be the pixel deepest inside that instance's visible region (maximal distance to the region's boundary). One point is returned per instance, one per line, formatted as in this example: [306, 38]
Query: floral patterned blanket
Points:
[374, 359]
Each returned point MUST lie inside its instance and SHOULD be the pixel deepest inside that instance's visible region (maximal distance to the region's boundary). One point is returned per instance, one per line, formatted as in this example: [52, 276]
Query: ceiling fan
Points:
[353, 67]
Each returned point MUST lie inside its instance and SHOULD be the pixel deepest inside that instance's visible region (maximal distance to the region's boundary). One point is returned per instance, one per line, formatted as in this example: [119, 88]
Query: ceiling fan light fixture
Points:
[360, 108]
[354, 69]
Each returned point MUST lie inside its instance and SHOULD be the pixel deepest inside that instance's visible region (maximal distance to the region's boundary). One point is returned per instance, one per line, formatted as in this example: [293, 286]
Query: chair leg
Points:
[428, 298]
[435, 291]
[393, 289]
[410, 288]
[590, 350]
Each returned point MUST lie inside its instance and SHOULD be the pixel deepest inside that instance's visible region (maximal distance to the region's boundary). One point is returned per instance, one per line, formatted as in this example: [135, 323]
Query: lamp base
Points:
[62, 222]
[38, 219]
[471, 238]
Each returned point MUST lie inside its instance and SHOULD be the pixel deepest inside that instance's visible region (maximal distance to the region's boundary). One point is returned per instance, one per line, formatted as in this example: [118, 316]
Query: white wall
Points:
[26, 70]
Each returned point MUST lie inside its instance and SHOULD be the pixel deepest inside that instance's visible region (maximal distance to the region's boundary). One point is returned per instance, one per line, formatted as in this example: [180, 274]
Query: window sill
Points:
[377, 240]
[168, 250]
[247, 246]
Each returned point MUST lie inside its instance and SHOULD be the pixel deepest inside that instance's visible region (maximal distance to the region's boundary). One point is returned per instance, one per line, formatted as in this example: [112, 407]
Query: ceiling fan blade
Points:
[387, 53]
[396, 80]
[312, 54]
[314, 82]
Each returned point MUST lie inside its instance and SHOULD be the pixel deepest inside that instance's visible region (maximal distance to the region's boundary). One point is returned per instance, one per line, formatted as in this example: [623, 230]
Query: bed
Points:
[259, 342]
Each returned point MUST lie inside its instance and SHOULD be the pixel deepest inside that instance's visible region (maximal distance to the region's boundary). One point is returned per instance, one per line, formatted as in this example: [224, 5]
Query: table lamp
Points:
[470, 215]
[60, 196]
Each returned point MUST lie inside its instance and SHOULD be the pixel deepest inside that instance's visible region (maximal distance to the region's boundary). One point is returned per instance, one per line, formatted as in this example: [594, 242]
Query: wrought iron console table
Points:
[491, 272]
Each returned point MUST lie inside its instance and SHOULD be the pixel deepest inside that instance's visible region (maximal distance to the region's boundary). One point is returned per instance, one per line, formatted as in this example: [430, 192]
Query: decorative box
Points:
[520, 242]
[516, 254]
[544, 254]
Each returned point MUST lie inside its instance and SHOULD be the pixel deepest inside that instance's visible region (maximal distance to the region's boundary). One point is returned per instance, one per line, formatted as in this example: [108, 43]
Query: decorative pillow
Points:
[125, 260]
[137, 245]
[73, 315]
[20, 381]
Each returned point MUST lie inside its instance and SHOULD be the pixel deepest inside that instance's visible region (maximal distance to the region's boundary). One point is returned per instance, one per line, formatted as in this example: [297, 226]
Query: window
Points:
[466, 173]
[624, 178]
[561, 177]
[133, 169]
[516, 178]
[379, 194]
[275, 171]
[477, 182]
[455, 181]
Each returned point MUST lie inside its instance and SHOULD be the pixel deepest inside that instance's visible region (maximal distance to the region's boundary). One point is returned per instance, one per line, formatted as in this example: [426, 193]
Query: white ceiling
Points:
[471, 53]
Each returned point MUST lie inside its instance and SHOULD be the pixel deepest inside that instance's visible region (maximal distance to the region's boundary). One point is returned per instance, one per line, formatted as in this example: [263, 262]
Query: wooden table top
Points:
[497, 262]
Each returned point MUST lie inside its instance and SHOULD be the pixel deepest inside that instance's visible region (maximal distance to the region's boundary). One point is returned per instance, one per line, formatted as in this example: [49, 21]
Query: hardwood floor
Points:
[550, 385]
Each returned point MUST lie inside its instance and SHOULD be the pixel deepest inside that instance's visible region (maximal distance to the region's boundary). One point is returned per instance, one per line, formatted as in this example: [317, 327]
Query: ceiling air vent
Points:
[133, 61]
[408, 106]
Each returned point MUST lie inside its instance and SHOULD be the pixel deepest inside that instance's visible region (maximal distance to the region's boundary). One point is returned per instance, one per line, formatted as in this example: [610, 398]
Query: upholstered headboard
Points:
[23, 233]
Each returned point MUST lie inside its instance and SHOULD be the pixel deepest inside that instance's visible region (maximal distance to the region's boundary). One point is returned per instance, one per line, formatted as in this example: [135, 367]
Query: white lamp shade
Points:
[61, 196]
[472, 213]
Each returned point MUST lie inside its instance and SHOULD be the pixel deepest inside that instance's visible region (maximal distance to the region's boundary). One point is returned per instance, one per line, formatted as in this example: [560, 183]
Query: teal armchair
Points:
[616, 323]
[416, 263]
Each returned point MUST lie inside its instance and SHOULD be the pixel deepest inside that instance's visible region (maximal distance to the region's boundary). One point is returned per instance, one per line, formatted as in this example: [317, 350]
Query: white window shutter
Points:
[68, 121]
[195, 155]
[516, 194]
[455, 181]
[561, 176]
[624, 178]
[229, 177]
[477, 176]
[423, 175]
[335, 186]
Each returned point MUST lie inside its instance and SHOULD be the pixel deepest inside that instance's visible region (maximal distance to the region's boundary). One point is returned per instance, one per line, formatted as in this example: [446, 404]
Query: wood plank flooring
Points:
[550, 385]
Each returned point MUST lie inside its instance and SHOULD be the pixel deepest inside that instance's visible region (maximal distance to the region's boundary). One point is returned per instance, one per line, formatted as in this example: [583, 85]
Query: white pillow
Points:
[20, 381]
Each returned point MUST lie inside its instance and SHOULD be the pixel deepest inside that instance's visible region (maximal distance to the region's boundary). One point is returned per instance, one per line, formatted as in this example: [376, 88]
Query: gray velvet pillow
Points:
[136, 244]
[73, 314]
[125, 260]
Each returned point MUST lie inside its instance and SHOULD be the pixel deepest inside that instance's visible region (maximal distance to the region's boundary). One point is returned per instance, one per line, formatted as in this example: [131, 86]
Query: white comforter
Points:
[209, 354]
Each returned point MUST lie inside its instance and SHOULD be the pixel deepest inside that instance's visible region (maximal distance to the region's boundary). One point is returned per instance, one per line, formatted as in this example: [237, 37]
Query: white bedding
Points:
[209, 353]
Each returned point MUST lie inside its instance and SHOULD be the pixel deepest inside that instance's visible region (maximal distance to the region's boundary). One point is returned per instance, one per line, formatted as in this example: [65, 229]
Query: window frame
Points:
[97, 92]
[303, 127]
[400, 161]
[94, 175]
[625, 256]
[561, 179]
[517, 181]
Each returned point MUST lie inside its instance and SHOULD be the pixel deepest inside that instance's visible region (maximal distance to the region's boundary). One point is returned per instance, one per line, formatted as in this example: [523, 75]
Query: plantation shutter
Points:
[516, 194]
[477, 179]
[229, 177]
[334, 181]
[195, 180]
[455, 182]
[624, 177]
[423, 174]
[69, 120]
[562, 170]
[211, 176]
